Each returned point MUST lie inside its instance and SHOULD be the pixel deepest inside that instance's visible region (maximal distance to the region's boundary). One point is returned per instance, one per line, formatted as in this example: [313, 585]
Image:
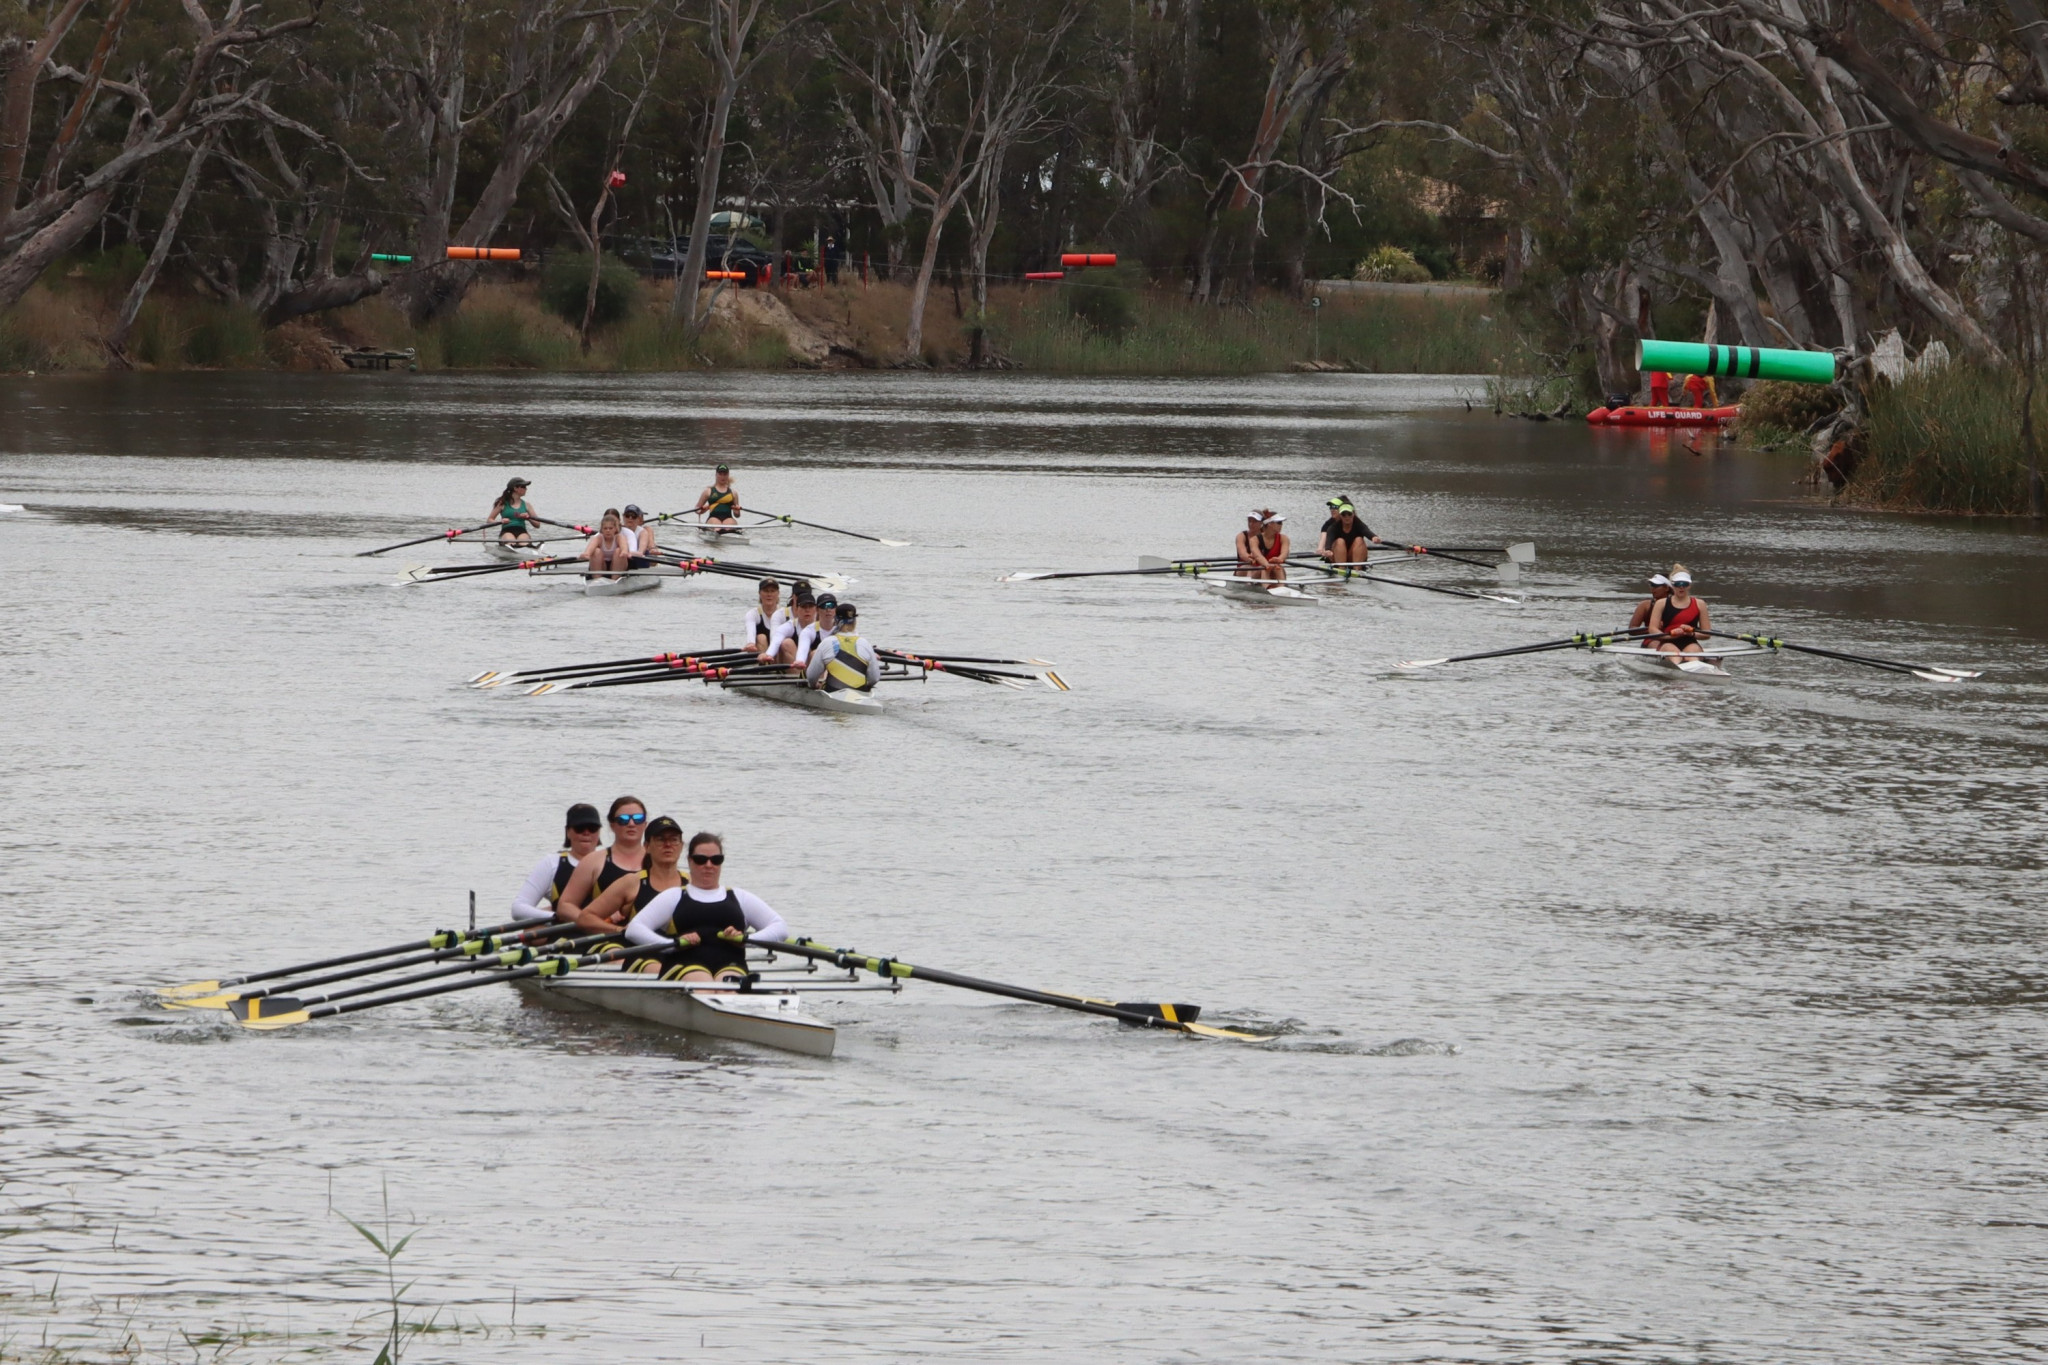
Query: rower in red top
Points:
[1676, 622]
[1262, 546]
[1660, 588]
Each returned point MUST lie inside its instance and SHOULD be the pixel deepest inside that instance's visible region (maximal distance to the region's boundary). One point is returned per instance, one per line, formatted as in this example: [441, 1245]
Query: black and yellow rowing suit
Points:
[564, 869]
[611, 872]
[719, 508]
[704, 919]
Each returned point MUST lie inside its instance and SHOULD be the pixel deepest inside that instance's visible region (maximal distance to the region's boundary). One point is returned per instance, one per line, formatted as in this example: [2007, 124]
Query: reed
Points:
[1948, 440]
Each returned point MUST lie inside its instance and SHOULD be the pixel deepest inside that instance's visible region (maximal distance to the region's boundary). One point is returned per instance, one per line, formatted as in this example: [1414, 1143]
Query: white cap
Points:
[1681, 577]
[1658, 580]
[1273, 517]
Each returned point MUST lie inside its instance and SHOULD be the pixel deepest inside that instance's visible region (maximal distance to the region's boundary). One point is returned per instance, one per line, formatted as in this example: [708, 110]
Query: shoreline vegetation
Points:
[1102, 326]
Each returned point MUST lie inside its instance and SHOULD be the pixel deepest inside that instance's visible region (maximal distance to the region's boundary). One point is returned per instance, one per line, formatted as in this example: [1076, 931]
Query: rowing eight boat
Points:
[862, 703]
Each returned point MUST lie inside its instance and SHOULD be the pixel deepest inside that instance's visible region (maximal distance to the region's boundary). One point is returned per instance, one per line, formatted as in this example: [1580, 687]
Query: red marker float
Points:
[1045, 274]
[1083, 259]
[483, 253]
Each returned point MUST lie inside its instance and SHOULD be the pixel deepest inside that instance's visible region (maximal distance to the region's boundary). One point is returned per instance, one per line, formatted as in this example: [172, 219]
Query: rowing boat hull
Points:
[630, 582]
[1257, 592]
[1674, 666]
[711, 535]
[767, 1018]
[512, 554]
[839, 703]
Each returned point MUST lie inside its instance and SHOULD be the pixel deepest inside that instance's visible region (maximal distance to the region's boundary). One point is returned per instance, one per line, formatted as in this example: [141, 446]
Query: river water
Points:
[1620, 1019]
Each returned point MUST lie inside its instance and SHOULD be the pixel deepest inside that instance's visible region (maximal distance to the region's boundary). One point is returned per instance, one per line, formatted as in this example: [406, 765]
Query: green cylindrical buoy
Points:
[1736, 362]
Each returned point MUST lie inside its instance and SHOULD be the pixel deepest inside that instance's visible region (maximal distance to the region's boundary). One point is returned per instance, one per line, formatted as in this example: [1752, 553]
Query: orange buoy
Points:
[1084, 259]
[1045, 274]
[483, 253]
[725, 274]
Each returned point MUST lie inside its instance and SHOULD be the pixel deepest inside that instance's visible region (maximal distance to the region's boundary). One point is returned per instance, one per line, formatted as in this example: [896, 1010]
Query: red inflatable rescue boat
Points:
[1662, 417]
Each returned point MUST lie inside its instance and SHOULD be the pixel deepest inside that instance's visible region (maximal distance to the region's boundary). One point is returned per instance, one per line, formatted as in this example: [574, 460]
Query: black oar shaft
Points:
[479, 946]
[444, 939]
[439, 535]
[890, 967]
[510, 957]
[554, 966]
[1773, 642]
[796, 521]
[1581, 641]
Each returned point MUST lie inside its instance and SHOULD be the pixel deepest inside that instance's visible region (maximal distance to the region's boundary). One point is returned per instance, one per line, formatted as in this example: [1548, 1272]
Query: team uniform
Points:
[844, 663]
[1664, 619]
[668, 915]
[517, 518]
[609, 872]
[721, 504]
[542, 889]
[1334, 533]
[761, 630]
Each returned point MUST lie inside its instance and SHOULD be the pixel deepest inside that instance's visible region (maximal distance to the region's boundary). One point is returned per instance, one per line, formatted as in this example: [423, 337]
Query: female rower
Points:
[1262, 547]
[1346, 537]
[625, 858]
[1660, 588]
[721, 501]
[763, 619]
[626, 897]
[639, 536]
[704, 926]
[1676, 622]
[543, 886]
[514, 515]
[610, 553]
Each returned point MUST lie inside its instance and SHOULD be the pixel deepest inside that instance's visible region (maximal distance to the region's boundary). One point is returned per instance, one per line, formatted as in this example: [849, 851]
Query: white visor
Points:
[1658, 580]
[1678, 578]
[1275, 520]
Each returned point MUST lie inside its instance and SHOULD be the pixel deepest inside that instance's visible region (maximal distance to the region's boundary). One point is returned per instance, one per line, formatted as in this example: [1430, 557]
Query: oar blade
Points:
[1023, 577]
[1055, 681]
[274, 1012]
[1522, 553]
[899, 544]
[219, 1000]
[189, 989]
[1415, 665]
[1508, 571]
[1936, 676]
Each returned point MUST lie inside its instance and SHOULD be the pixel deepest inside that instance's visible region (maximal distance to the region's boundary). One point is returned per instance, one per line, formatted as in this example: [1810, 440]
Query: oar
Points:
[955, 667]
[469, 947]
[280, 1012]
[815, 526]
[1163, 566]
[258, 1006]
[1931, 672]
[1579, 641]
[706, 674]
[1145, 1015]
[1346, 572]
[498, 678]
[422, 574]
[441, 938]
[439, 535]
[567, 526]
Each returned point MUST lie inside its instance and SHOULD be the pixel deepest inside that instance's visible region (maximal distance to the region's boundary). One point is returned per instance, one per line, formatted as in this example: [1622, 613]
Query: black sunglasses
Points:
[591, 828]
[708, 859]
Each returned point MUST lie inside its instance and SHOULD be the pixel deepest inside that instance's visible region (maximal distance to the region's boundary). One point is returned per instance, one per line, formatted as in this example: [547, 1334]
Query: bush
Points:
[1100, 301]
[222, 336]
[565, 284]
[20, 349]
[1786, 406]
[1949, 441]
[1391, 265]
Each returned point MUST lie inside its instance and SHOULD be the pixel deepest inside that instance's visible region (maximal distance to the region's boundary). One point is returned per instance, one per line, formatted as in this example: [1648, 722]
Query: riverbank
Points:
[1102, 325]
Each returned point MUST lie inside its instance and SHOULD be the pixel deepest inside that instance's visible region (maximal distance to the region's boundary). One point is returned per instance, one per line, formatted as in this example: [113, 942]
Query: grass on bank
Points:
[1948, 440]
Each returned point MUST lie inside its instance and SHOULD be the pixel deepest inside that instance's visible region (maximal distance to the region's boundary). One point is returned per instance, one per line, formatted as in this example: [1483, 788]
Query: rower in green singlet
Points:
[721, 501]
[514, 514]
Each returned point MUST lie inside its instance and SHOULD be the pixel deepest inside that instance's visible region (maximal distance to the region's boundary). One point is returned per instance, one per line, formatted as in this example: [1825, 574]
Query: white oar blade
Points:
[1508, 571]
[480, 679]
[1956, 673]
[899, 544]
[1411, 665]
[1024, 577]
[418, 573]
[1055, 681]
[540, 689]
[1523, 553]
[1154, 562]
[1932, 676]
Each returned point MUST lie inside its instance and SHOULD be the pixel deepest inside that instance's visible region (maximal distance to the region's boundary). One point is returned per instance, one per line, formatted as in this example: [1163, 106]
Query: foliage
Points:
[565, 285]
[1948, 440]
[1392, 265]
[1773, 409]
[1102, 302]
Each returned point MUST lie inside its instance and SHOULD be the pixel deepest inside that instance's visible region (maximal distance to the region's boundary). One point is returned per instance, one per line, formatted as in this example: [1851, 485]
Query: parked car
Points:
[720, 253]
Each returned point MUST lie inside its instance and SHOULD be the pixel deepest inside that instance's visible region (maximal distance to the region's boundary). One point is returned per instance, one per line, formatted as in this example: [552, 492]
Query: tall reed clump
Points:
[1948, 440]
[502, 327]
[1156, 332]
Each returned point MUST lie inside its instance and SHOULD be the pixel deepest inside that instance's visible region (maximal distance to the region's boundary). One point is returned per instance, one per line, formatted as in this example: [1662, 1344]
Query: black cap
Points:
[768, 583]
[521, 483]
[663, 824]
[845, 611]
[802, 598]
[723, 469]
[583, 815]
[632, 510]
[826, 599]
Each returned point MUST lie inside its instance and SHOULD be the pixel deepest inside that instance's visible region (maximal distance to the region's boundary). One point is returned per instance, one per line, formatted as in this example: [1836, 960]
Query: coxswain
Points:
[581, 833]
[513, 514]
[1262, 546]
[1660, 588]
[632, 893]
[1346, 539]
[763, 617]
[594, 875]
[609, 552]
[721, 501]
[639, 536]
[703, 927]
[843, 661]
[783, 641]
[1676, 622]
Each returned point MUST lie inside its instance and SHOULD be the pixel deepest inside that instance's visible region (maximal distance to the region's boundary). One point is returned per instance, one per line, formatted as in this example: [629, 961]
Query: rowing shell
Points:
[1657, 663]
[772, 1018]
[1262, 591]
[633, 580]
[512, 552]
[713, 535]
[863, 703]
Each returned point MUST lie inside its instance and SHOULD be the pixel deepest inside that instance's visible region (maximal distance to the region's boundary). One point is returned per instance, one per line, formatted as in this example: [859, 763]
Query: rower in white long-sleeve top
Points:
[702, 927]
[763, 617]
[843, 661]
[782, 638]
[543, 886]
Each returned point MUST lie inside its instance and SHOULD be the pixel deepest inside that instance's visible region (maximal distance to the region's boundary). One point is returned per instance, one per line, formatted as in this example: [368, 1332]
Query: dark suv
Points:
[720, 253]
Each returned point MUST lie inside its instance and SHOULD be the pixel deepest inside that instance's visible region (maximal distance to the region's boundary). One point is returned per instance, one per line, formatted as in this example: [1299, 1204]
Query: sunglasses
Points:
[708, 859]
[639, 819]
[586, 829]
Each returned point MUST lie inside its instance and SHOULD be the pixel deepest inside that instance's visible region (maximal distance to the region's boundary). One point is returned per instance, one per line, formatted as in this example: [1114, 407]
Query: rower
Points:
[843, 661]
[721, 501]
[1262, 546]
[1660, 588]
[632, 893]
[593, 876]
[609, 552]
[514, 515]
[763, 617]
[1346, 539]
[802, 614]
[537, 896]
[703, 927]
[1675, 622]
[639, 536]
[810, 637]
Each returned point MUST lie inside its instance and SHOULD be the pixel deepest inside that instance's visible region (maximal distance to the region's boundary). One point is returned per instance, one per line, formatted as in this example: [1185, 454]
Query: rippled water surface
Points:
[1622, 1019]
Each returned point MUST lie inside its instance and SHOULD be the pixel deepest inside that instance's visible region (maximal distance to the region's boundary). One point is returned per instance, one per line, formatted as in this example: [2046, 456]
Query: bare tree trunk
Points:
[18, 106]
[167, 235]
[21, 268]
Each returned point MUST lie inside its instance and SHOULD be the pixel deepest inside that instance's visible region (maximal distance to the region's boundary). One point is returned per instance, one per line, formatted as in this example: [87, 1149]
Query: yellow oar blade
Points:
[220, 1000]
[277, 1012]
[189, 988]
[1179, 1017]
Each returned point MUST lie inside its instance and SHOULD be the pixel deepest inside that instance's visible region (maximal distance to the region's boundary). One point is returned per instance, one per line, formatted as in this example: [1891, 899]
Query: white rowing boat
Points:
[716, 535]
[771, 1016]
[1263, 591]
[632, 580]
[512, 553]
[1658, 663]
[863, 703]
